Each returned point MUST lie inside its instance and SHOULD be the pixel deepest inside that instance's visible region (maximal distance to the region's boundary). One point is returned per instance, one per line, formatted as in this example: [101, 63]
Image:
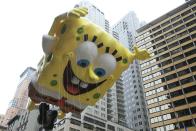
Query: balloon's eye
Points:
[86, 53]
[100, 72]
[83, 63]
[104, 65]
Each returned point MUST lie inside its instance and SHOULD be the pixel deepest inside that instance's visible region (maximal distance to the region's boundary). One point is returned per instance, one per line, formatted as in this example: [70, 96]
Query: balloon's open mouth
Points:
[73, 85]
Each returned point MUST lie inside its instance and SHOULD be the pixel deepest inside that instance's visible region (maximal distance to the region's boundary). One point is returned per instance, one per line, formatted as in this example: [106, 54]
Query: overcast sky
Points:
[23, 22]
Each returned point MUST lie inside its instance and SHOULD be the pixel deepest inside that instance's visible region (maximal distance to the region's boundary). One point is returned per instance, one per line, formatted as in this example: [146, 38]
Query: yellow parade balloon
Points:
[80, 64]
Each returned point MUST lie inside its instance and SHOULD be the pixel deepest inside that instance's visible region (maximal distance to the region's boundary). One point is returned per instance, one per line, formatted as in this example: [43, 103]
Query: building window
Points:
[187, 46]
[180, 35]
[162, 49]
[190, 89]
[176, 51]
[192, 60]
[176, 93]
[75, 122]
[186, 12]
[162, 98]
[164, 56]
[183, 72]
[140, 123]
[166, 62]
[111, 127]
[186, 80]
[157, 33]
[185, 39]
[150, 93]
[191, 99]
[180, 28]
[166, 70]
[182, 64]
[193, 110]
[102, 115]
[175, 18]
[188, 17]
[171, 39]
[165, 23]
[190, 52]
[103, 109]
[178, 58]
[182, 113]
[166, 106]
[167, 117]
[88, 126]
[156, 28]
[191, 23]
[179, 102]
[192, 29]
[156, 119]
[135, 118]
[173, 45]
[155, 109]
[170, 77]
[169, 33]
[177, 23]
[170, 127]
[193, 36]
[193, 69]
[99, 129]
[158, 81]
[160, 44]
[70, 129]
[188, 123]
[167, 28]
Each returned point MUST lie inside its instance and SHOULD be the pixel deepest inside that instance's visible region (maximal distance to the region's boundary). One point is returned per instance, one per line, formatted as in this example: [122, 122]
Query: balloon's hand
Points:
[141, 54]
[78, 12]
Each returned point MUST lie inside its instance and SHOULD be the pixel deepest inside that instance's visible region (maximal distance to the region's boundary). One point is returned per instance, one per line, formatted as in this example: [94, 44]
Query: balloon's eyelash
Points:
[119, 58]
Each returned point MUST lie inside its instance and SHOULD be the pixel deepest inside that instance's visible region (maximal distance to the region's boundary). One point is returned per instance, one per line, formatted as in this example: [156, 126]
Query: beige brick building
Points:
[169, 76]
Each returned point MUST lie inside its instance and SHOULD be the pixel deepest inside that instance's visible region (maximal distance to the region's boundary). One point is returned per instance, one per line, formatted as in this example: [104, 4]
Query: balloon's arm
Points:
[139, 54]
[59, 20]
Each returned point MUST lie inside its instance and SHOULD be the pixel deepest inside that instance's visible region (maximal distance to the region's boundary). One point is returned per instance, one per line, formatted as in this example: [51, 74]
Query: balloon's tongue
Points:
[72, 89]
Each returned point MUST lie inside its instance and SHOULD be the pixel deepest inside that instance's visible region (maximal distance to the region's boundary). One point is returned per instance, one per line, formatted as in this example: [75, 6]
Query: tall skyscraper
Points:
[169, 76]
[20, 100]
[95, 15]
[136, 115]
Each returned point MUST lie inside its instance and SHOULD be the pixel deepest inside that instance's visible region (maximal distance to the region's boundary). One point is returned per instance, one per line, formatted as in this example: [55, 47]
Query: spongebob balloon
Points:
[80, 64]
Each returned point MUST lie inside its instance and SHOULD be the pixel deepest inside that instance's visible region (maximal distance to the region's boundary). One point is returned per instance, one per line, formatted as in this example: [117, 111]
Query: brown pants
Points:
[64, 106]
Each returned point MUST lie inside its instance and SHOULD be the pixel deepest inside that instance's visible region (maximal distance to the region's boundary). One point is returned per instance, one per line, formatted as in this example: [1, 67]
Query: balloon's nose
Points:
[92, 74]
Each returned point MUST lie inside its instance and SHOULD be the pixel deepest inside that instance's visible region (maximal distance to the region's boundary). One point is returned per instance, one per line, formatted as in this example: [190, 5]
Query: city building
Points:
[24, 121]
[20, 100]
[116, 104]
[2, 117]
[73, 122]
[130, 82]
[27, 121]
[2, 128]
[169, 76]
[95, 15]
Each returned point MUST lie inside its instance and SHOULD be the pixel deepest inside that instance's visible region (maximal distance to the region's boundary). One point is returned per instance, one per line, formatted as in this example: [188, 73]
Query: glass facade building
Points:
[130, 81]
[169, 76]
